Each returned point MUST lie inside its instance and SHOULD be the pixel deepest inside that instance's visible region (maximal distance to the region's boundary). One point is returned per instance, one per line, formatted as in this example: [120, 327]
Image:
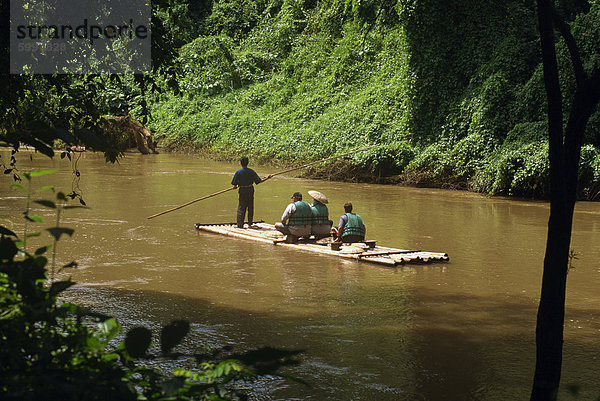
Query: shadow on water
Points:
[488, 356]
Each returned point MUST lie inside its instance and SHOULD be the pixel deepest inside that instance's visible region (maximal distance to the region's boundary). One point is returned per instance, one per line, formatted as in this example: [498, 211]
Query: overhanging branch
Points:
[565, 31]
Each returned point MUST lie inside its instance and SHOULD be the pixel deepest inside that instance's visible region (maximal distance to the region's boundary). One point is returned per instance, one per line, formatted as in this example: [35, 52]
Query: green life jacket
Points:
[320, 214]
[354, 226]
[302, 215]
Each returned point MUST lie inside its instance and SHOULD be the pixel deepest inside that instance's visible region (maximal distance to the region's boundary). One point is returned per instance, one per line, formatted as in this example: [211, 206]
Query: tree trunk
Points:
[564, 153]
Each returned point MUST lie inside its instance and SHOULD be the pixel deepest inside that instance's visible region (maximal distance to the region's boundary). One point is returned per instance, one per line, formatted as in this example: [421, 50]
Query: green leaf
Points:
[218, 372]
[19, 186]
[137, 341]
[31, 235]
[46, 203]
[56, 232]
[47, 187]
[39, 173]
[109, 328]
[172, 334]
[94, 343]
[32, 217]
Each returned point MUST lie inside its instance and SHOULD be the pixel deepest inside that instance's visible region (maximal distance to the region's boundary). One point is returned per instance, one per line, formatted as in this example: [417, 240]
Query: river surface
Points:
[462, 330]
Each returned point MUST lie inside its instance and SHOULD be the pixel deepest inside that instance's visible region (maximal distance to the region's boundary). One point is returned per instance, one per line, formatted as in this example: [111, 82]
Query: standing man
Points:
[244, 178]
[296, 219]
[351, 227]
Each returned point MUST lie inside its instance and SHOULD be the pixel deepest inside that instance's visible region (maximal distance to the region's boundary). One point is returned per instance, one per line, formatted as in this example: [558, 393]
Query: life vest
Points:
[302, 215]
[354, 226]
[320, 214]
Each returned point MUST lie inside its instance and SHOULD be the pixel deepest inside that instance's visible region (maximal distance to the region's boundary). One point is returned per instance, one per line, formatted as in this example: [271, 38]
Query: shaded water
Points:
[462, 330]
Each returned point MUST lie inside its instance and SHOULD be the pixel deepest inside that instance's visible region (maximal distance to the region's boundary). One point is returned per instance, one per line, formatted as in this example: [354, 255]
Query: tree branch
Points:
[565, 31]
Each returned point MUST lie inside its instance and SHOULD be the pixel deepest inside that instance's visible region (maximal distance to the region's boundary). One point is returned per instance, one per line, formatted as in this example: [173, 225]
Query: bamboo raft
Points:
[367, 251]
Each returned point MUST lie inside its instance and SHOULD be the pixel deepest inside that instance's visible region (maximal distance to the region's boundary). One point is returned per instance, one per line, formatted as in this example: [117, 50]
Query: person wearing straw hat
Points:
[351, 227]
[243, 179]
[321, 225]
[296, 219]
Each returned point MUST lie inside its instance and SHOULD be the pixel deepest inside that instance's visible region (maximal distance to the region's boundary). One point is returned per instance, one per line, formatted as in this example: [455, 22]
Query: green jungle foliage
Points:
[451, 90]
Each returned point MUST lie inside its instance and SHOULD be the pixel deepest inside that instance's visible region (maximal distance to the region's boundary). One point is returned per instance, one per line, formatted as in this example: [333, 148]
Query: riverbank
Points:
[521, 173]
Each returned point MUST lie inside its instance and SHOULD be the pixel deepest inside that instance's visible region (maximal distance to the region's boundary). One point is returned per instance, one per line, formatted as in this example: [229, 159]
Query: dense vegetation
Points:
[453, 91]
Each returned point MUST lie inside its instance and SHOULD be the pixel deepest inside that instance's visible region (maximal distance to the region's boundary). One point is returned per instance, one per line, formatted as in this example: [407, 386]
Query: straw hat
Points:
[351, 249]
[316, 195]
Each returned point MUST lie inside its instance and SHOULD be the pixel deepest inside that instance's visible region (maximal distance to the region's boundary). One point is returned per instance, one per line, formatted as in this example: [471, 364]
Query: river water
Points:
[462, 330]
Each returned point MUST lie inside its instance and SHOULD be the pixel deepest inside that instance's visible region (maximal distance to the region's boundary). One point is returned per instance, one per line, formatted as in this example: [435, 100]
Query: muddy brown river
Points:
[462, 330]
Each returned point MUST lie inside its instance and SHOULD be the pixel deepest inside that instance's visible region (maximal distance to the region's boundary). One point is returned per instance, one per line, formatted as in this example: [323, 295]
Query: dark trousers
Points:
[353, 238]
[246, 201]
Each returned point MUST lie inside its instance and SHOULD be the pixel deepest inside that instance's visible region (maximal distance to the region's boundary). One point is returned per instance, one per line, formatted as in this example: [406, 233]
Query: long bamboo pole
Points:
[272, 175]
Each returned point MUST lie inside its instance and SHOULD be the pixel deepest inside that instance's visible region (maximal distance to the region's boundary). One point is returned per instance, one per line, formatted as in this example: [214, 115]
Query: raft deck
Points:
[368, 251]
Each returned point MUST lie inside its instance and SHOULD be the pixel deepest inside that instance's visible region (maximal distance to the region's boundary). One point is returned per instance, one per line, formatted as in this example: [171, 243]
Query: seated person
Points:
[351, 227]
[321, 225]
[296, 219]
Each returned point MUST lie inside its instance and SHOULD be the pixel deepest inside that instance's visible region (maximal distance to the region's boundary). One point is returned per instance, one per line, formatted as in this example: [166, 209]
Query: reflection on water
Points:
[462, 330]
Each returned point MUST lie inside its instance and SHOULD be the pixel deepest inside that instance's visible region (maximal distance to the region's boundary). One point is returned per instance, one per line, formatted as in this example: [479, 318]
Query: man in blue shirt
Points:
[243, 179]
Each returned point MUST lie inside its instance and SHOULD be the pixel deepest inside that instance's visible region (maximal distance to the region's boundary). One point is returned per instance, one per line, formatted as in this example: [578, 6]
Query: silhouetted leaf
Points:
[39, 146]
[40, 261]
[82, 202]
[60, 286]
[56, 232]
[61, 196]
[6, 231]
[46, 203]
[65, 136]
[137, 341]
[73, 264]
[42, 249]
[267, 360]
[172, 334]
[8, 249]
